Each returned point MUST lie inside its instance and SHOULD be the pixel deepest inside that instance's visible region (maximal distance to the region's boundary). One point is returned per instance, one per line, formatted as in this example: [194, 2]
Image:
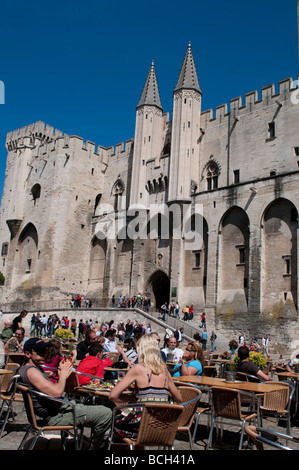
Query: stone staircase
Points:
[190, 328]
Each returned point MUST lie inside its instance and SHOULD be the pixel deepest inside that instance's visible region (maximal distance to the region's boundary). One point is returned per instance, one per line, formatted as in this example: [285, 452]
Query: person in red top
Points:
[93, 364]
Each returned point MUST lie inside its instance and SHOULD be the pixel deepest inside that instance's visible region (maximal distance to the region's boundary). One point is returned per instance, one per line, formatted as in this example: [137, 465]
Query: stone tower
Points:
[147, 136]
[184, 161]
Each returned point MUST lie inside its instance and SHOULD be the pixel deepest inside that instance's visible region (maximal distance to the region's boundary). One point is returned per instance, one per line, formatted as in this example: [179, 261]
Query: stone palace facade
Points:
[200, 209]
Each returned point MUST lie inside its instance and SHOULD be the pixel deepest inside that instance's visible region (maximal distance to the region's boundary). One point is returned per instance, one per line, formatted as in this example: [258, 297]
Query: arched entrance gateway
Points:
[158, 287]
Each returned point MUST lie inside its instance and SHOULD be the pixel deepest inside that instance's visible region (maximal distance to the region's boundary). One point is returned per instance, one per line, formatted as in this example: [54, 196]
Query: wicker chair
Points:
[158, 425]
[202, 406]
[278, 404]
[72, 386]
[8, 393]
[113, 356]
[248, 377]
[262, 436]
[191, 397]
[226, 408]
[38, 426]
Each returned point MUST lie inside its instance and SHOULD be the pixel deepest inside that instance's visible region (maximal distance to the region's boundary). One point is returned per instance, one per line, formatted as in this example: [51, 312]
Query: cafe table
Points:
[255, 387]
[5, 371]
[92, 392]
[288, 374]
[117, 370]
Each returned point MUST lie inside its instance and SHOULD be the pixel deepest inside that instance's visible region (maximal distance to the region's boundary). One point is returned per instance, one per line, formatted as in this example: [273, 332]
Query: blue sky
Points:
[81, 66]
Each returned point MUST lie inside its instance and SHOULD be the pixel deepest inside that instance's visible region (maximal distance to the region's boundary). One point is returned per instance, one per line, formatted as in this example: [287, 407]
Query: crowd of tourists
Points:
[150, 364]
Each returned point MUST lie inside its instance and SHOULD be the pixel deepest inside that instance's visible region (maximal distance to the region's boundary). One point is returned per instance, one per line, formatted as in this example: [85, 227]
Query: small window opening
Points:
[237, 176]
[271, 130]
[28, 267]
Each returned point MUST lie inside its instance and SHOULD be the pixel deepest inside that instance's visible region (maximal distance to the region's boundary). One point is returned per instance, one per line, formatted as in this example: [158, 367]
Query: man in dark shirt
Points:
[247, 366]
[82, 347]
[17, 321]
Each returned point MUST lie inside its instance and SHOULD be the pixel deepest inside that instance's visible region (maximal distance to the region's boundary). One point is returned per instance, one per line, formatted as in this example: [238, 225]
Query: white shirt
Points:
[265, 341]
[110, 346]
[176, 352]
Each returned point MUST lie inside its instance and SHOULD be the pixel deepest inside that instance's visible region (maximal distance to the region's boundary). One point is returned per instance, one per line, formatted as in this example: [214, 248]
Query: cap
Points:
[35, 344]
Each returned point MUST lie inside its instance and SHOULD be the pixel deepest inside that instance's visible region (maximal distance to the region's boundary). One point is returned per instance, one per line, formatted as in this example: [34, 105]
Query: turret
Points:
[147, 136]
[184, 160]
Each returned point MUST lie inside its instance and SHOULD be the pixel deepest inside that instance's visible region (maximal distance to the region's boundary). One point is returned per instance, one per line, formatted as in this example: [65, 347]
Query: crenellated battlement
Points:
[39, 130]
[252, 101]
[43, 138]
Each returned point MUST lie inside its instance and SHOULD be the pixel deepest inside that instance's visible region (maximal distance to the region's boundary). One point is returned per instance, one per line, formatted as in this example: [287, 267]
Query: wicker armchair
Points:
[278, 404]
[191, 397]
[113, 356]
[158, 426]
[8, 393]
[227, 408]
[37, 426]
[203, 406]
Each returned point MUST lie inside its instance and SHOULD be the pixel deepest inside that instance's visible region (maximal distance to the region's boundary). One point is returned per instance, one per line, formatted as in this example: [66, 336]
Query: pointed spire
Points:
[188, 76]
[150, 95]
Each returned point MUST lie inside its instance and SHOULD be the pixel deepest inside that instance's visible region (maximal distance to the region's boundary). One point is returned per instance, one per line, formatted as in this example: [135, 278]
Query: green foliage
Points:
[64, 334]
[232, 367]
[256, 358]
[2, 279]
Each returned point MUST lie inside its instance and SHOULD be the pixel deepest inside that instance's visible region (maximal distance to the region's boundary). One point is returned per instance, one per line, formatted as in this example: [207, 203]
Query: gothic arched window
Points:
[117, 192]
[212, 176]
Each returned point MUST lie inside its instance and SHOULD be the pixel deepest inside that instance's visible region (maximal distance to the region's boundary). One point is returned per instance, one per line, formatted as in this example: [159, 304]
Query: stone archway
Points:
[280, 258]
[158, 287]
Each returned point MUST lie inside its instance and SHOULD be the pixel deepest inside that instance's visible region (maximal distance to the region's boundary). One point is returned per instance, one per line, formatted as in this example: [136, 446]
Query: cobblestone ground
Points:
[230, 439]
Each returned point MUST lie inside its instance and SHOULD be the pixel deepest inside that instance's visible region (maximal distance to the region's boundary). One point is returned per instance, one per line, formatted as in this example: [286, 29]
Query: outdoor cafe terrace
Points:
[218, 412]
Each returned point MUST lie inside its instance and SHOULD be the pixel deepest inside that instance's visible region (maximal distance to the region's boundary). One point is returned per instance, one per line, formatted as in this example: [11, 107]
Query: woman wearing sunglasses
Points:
[192, 361]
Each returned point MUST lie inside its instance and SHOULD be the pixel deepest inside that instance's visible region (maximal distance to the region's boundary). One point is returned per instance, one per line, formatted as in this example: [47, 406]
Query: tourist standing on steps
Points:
[203, 320]
[178, 335]
[213, 339]
[204, 339]
[164, 311]
[265, 342]
[177, 310]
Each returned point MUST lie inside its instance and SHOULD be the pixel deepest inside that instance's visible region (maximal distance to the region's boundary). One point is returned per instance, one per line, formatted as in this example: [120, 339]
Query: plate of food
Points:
[106, 386]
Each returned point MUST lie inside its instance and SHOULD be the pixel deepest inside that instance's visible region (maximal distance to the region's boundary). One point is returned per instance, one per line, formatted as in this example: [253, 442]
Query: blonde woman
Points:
[153, 383]
[192, 361]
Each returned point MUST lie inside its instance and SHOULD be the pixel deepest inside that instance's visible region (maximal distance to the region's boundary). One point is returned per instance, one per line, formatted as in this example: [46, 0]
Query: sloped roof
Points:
[188, 76]
[150, 95]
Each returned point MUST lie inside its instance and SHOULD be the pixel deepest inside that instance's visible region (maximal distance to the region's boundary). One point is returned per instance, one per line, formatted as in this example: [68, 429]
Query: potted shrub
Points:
[256, 358]
[230, 373]
[65, 335]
